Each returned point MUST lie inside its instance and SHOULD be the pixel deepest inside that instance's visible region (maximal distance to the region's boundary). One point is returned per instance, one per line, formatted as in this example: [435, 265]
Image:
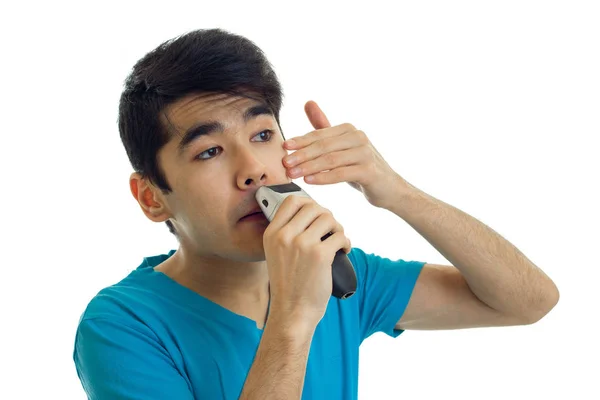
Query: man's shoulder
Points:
[114, 300]
[127, 297]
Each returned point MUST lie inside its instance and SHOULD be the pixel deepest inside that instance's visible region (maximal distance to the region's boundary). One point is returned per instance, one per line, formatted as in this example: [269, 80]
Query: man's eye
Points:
[210, 153]
[269, 135]
[265, 135]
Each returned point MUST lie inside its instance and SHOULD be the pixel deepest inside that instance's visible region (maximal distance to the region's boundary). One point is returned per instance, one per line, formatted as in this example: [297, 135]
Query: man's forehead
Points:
[207, 106]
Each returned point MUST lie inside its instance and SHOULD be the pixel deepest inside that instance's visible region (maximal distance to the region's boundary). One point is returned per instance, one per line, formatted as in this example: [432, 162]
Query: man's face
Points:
[214, 176]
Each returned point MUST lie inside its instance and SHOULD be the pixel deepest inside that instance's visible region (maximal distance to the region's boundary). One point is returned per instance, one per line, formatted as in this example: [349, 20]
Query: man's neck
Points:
[240, 287]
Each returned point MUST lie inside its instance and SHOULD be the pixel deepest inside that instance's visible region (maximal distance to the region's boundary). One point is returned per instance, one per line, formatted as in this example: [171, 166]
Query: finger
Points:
[286, 211]
[316, 116]
[328, 160]
[299, 142]
[336, 242]
[323, 227]
[303, 219]
[348, 247]
[352, 173]
[328, 143]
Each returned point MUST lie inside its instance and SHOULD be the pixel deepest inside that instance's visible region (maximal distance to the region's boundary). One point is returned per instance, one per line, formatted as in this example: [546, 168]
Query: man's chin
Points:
[249, 248]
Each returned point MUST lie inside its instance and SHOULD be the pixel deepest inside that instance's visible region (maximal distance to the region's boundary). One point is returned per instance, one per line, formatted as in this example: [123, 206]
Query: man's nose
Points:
[251, 170]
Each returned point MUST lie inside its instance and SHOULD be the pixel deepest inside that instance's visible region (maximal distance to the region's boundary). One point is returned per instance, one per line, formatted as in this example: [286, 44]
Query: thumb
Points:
[316, 116]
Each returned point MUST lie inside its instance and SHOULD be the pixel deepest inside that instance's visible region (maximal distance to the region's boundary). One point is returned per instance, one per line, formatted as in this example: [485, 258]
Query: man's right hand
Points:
[299, 263]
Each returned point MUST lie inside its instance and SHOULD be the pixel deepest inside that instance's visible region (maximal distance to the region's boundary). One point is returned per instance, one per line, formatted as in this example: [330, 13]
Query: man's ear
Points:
[149, 197]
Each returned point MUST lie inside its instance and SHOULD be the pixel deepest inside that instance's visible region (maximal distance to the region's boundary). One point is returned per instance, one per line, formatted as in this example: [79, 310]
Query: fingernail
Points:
[294, 171]
[291, 160]
[290, 143]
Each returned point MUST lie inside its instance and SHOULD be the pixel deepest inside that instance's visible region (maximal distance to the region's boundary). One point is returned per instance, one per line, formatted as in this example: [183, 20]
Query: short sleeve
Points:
[384, 289]
[118, 361]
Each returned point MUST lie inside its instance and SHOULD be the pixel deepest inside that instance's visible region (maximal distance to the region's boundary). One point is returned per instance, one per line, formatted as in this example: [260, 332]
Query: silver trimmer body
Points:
[271, 197]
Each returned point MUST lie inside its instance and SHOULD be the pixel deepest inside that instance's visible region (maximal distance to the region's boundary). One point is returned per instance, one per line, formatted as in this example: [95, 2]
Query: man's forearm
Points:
[279, 366]
[496, 271]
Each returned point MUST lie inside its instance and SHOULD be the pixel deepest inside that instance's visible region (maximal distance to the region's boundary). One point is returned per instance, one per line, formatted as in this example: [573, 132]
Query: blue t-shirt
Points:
[148, 337]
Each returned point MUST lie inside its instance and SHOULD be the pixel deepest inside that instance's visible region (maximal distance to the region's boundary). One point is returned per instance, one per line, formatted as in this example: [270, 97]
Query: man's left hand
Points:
[340, 154]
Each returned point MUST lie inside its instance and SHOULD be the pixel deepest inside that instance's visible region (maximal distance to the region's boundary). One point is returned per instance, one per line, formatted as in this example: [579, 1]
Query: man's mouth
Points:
[254, 213]
[257, 215]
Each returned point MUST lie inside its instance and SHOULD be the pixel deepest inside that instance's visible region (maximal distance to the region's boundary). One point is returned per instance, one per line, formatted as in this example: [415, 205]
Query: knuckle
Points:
[348, 126]
[302, 243]
[284, 237]
[314, 206]
[268, 232]
[321, 145]
[343, 240]
[293, 201]
[318, 208]
[289, 200]
[327, 212]
[362, 136]
[366, 152]
[329, 158]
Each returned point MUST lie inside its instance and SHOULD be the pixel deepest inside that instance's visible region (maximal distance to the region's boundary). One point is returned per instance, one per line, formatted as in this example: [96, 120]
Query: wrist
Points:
[289, 327]
[399, 190]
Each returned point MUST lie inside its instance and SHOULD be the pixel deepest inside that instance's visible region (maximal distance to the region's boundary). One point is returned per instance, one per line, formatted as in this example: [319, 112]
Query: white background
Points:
[493, 107]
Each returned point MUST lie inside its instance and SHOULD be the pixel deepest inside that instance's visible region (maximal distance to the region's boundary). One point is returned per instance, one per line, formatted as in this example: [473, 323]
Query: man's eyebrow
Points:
[211, 127]
[255, 111]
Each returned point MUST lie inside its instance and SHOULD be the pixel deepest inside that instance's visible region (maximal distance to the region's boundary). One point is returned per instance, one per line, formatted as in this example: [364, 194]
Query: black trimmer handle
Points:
[343, 276]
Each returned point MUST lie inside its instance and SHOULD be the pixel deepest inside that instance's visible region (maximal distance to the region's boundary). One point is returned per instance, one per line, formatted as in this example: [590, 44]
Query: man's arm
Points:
[279, 366]
[491, 283]
[122, 359]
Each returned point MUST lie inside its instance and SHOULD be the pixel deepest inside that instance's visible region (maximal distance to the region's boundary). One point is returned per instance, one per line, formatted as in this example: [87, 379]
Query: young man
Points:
[243, 308]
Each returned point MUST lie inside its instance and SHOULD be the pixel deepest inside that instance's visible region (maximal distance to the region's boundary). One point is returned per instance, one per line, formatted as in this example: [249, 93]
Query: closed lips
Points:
[252, 213]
